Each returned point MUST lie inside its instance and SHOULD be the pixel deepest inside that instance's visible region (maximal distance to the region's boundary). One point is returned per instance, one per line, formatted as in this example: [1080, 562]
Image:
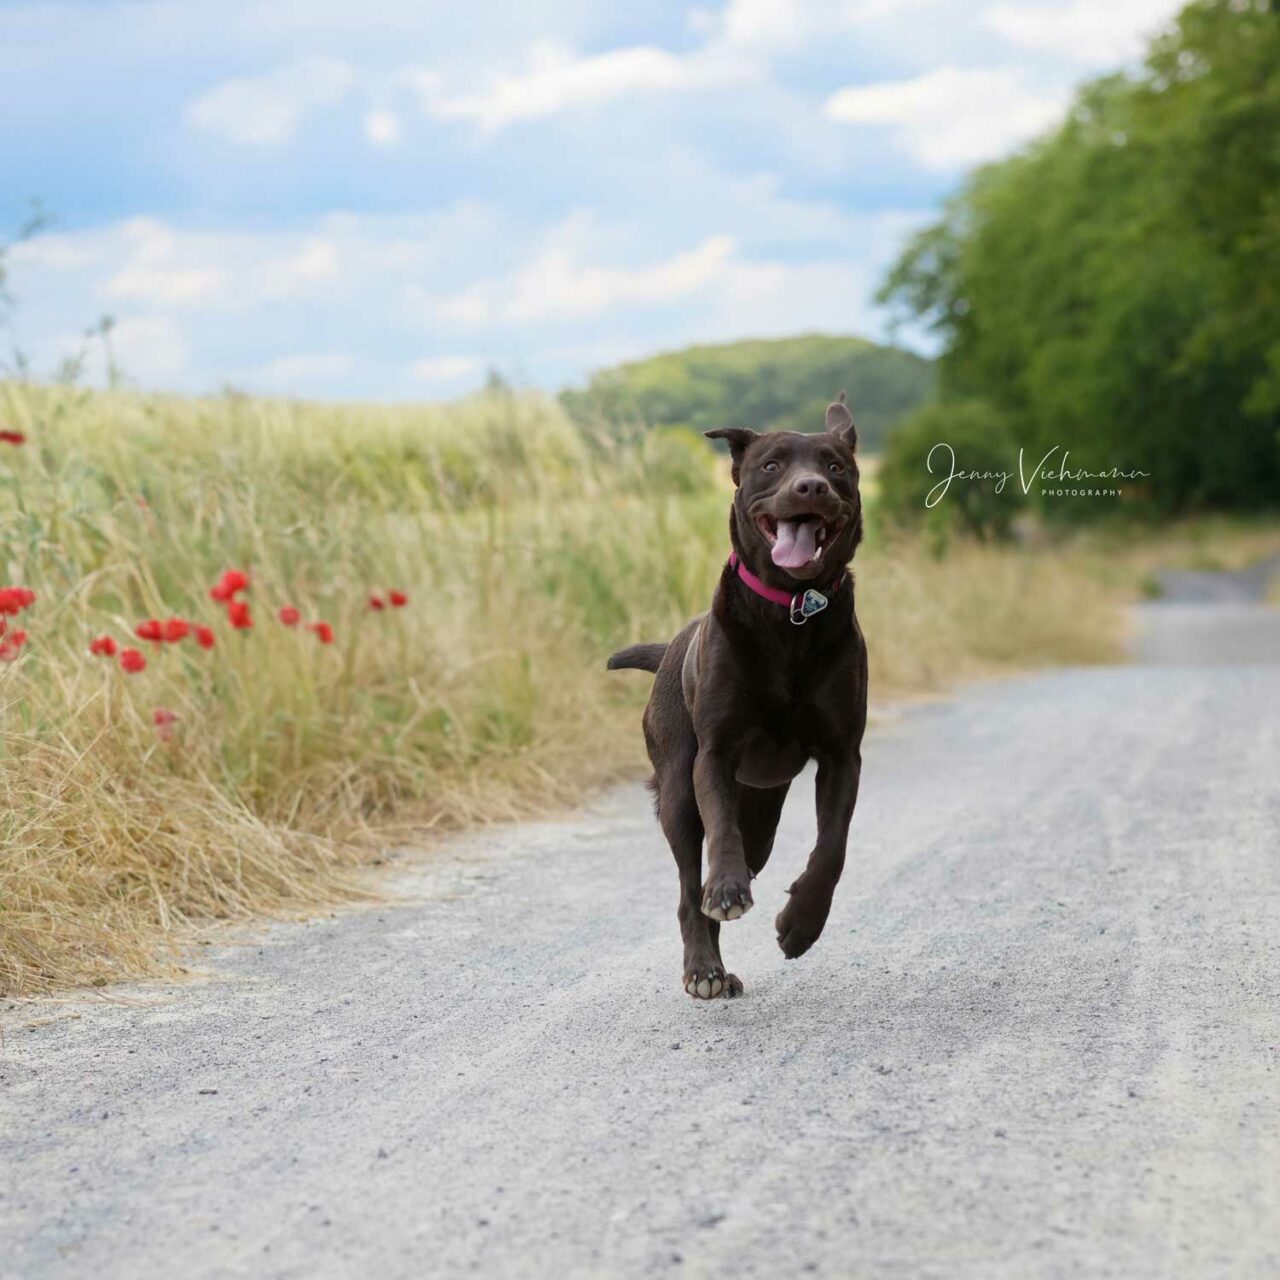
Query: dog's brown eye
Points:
[835, 468]
[769, 466]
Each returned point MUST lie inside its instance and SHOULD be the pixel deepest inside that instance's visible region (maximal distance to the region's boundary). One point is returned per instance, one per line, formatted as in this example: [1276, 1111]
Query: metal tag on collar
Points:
[803, 607]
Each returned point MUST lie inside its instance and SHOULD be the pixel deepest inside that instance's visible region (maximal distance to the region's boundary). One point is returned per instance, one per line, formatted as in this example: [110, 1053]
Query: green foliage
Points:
[918, 460]
[1115, 288]
[785, 384]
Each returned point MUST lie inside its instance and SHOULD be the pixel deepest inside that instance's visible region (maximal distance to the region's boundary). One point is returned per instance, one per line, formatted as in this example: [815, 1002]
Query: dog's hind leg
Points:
[759, 809]
[704, 973]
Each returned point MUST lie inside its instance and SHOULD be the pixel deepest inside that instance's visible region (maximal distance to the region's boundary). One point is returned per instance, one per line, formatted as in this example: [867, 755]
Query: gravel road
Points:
[1039, 1038]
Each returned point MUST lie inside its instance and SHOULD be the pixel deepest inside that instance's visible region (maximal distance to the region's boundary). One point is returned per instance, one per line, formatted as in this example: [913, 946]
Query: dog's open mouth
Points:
[798, 541]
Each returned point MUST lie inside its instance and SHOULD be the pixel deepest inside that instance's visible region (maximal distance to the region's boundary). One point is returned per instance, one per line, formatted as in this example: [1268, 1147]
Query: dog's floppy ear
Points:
[840, 422]
[739, 438]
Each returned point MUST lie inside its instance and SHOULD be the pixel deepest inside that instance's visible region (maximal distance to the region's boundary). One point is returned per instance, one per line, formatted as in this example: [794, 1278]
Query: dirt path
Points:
[1040, 1038]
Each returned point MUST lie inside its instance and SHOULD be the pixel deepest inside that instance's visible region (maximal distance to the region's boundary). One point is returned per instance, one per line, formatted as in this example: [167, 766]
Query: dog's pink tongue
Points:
[796, 544]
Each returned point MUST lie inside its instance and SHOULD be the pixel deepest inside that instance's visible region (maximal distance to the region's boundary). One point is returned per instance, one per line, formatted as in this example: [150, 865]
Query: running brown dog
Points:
[774, 675]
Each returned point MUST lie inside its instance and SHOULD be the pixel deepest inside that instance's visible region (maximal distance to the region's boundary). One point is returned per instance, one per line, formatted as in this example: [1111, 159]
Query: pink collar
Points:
[801, 606]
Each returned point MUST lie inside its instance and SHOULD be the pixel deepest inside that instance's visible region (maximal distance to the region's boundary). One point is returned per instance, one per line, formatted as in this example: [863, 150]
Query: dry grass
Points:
[528, 551]
[1211, 544]
[981, 610]
[1208, 544]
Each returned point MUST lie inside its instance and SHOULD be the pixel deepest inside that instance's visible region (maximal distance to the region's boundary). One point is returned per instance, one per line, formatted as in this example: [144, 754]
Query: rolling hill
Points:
[779, 383]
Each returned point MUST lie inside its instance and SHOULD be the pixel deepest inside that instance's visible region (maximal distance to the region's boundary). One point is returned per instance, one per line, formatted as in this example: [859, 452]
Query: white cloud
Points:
[556, 79]
[151, 284]
[382, 128]
[1096, 33]
[306, 368]
[737, 43]
[314, 262]
[954, 117]
[166, 268]
[286, 307]
[763, 21]
[767, 299]
[51, 253]
[146, 350]
[233, 271]
[714, 291]
[149, 348]
[444, 368]
[154, 271]
[265, 110]
[372, 306]
[556, 285]
[773, 24]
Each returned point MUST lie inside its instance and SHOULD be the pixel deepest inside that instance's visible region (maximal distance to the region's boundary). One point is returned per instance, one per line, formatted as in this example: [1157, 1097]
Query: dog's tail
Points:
[639, 657]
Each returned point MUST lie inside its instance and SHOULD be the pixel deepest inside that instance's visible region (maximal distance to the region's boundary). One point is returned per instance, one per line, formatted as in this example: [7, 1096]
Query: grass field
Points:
[526, 550]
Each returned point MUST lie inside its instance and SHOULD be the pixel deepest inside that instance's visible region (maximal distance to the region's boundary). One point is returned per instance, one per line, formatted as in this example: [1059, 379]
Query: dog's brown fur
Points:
[744, 699]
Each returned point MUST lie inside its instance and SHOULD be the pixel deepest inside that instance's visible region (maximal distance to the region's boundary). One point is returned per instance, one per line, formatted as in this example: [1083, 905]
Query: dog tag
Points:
[804, 607]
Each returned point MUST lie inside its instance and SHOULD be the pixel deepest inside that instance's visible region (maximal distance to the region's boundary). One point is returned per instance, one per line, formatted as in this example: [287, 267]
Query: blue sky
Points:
[382, 200]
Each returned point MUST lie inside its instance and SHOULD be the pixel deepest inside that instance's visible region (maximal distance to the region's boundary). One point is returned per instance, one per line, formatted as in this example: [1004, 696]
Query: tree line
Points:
[1114, 288]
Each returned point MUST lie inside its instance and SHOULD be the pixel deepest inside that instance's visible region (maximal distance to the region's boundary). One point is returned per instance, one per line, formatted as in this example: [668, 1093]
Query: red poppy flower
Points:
[398, 599]
[324, 632]
[231, 582]
[151, 629]
[14, 599]
[12, 644]
[289, 615]
[162, 715]
[238, 615]
[132, 661]
[376, 604]
[13, 437]
[176, 629]
[205, 637]
[103, 647]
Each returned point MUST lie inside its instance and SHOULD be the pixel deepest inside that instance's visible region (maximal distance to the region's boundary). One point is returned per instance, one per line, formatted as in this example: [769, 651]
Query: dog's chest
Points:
[789, 722]
[767, 761]
[781, 740]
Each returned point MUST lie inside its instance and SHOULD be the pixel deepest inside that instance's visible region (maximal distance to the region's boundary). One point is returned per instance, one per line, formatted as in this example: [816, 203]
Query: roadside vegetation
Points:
[261, 773]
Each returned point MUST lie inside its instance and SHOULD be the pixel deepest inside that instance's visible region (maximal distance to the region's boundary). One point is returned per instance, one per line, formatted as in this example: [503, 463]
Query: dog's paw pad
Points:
[710, 984]
[727, 901]
[704, 984]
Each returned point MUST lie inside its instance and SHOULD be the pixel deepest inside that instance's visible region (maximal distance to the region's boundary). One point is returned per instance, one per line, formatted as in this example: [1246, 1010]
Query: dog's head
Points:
[797, 514]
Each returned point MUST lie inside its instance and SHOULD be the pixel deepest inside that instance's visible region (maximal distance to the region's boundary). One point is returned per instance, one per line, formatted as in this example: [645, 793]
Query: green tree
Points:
[919, 456]
[1115, 287]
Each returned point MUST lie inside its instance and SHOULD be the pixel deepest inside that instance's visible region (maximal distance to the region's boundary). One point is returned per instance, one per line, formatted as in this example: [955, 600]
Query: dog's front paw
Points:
[710, 983]
[726, 897]
[800, 922]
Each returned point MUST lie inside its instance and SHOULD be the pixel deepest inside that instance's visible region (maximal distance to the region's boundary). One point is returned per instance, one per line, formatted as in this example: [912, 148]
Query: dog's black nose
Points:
[811, 487]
